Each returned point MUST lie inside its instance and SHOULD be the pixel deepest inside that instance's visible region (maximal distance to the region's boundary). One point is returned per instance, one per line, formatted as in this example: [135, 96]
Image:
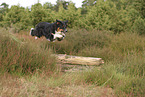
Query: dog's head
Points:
[60, 30]
[61, 26]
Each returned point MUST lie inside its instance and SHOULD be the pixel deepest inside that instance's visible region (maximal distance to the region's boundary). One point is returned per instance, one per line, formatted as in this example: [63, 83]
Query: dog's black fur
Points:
[48, 29]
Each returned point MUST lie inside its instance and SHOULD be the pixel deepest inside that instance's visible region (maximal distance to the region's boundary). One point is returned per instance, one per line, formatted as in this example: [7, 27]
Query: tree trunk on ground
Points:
[78, 60]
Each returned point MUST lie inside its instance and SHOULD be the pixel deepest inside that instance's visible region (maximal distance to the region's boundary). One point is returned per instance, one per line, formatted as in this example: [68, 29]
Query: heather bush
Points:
[23, 57]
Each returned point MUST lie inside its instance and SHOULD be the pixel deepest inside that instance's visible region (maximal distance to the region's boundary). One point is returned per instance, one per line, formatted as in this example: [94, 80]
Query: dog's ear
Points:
[58, 21]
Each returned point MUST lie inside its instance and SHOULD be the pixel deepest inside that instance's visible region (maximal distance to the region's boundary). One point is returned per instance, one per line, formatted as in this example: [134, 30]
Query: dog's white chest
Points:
[58, 35]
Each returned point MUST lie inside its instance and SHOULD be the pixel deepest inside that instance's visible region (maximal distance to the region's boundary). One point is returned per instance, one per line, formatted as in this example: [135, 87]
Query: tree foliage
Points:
[61, 3]
[3, 10]
[88, 3]
[113, 15]
[37, 13]
[14, 14]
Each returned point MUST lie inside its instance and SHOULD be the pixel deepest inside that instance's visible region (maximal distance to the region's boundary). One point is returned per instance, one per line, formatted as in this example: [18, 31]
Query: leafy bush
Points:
[139, 26]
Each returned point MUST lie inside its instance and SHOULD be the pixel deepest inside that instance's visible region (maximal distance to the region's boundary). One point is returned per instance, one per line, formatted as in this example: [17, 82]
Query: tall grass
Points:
[17, 56]
[124, 55]
[102, 44]
[125, 78]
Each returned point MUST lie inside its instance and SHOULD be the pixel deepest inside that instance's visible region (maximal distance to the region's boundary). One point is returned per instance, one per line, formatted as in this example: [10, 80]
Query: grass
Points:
[102, 44]
[18, 56]
[123, 73]
[40, 86]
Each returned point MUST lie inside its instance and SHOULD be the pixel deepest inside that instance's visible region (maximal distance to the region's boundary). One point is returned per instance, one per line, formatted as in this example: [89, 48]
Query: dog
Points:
[51, 31]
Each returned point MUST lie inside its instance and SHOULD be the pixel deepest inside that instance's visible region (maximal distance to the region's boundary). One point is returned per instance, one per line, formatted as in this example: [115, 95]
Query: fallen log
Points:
[78, 60]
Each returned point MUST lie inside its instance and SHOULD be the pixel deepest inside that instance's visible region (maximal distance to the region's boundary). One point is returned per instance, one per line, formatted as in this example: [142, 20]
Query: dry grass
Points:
[123, 70]
[22, 56]
[11, 86]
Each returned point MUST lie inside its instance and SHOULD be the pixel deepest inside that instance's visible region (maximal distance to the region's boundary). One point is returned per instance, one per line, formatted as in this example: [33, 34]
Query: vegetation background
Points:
[111, 29]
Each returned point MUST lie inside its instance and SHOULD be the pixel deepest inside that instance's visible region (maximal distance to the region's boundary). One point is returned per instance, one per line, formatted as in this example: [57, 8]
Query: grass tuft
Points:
[23, 57]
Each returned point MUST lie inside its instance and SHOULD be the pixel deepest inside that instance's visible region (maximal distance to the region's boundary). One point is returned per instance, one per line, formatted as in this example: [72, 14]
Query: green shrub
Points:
[139, 26]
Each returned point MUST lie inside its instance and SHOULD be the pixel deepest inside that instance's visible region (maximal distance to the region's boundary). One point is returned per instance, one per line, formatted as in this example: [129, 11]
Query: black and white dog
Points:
[52, 31]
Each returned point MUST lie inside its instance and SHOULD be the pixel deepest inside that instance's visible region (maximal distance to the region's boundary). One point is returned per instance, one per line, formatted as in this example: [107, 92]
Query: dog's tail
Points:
[31, 31]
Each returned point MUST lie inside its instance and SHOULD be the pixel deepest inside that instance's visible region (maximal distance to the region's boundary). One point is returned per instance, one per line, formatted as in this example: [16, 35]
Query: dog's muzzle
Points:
[62, 34]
